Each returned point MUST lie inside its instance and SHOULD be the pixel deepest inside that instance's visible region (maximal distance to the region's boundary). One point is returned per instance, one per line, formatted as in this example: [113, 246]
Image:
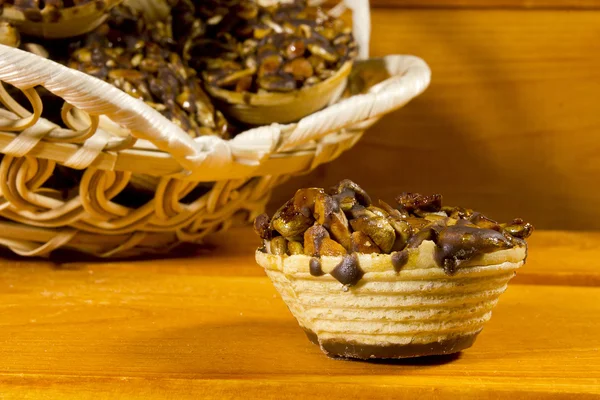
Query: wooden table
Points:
[214, 327]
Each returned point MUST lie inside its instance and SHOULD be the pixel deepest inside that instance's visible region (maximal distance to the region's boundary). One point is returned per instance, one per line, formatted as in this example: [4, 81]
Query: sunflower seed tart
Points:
[138, 56]
[280, 48]
[375, 281]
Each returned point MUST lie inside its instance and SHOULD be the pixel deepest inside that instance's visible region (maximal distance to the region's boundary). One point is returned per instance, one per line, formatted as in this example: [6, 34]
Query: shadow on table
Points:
[61, 256]
[257, 347]
[418, 361]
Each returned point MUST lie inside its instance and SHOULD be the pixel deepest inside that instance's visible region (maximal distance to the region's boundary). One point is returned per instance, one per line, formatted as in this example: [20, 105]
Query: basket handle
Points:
[25, 70]
[410, 76]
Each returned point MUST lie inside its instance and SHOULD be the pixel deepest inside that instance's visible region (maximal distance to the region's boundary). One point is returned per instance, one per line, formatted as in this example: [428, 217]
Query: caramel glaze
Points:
[459, 234]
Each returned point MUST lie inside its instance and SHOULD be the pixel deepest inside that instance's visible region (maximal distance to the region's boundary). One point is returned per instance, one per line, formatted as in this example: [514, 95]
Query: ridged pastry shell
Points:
[417, 311]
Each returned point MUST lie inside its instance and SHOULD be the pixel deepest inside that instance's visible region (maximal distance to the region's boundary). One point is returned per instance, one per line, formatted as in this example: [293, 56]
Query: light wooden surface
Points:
[510, 124]
[214, 327]
[486, 4]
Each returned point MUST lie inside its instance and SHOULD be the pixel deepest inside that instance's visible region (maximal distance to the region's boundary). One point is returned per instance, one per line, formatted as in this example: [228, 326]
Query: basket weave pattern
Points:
[113, 138]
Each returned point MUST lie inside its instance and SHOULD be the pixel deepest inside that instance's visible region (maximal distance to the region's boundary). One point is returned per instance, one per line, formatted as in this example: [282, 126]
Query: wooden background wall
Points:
[511, 122]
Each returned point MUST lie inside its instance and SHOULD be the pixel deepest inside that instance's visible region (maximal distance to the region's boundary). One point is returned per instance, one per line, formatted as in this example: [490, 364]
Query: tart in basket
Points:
[368, 281]
[273, 63]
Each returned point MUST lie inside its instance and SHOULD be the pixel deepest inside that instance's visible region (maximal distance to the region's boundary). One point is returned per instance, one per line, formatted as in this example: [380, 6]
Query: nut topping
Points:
[291, 44]
[345, 222]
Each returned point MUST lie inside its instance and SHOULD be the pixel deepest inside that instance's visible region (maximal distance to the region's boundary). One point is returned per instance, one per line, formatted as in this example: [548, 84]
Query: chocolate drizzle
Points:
[482, 221]
[457, 244]
[313, 240]
[348, 272]
[318, 243]
[399, 259]
[345, 221]
[315, 267]
[325, 209]
[347, 188]
[418, 238]
[320, 235]
[261, 227]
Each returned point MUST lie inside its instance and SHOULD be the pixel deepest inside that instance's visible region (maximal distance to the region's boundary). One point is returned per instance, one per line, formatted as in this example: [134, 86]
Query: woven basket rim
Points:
[191, 158]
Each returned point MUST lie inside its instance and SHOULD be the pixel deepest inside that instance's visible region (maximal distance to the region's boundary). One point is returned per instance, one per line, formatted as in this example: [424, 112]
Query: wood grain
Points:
[562, 258]
[509, 126]
[76, 332]
[490, 4]
[214, 327]
[555, 258]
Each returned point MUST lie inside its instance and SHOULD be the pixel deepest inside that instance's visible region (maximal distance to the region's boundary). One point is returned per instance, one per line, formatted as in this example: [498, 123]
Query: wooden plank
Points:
[509, 125]
[132, 331]
[490, 4]
[555, 258]
[99, 388]
[562, 258]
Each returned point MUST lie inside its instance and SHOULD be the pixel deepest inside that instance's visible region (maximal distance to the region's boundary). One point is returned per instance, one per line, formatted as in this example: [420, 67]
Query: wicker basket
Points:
[112, 137]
